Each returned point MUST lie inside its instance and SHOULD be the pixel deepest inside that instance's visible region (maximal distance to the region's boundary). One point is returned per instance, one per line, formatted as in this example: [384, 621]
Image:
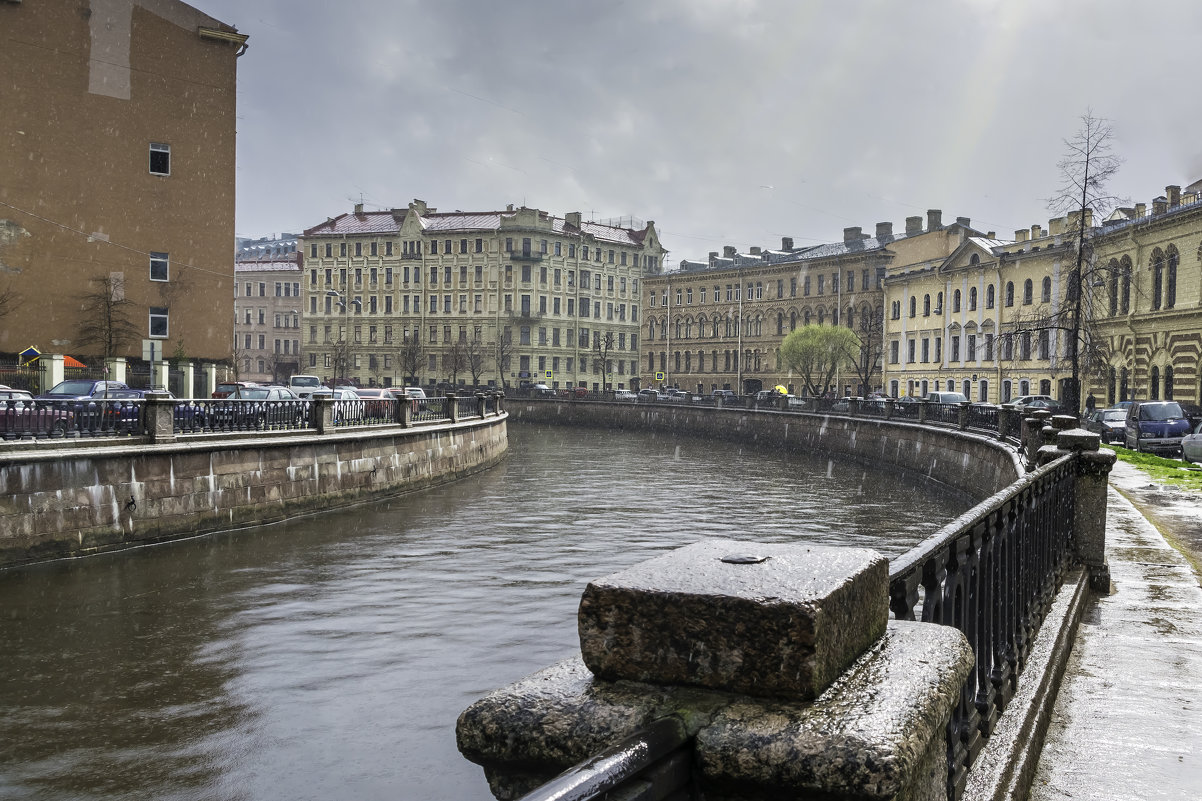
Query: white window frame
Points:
[164, 259]
[159, 147]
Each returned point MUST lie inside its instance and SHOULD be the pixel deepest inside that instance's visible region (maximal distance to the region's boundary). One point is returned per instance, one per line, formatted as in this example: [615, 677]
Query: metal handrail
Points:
[619, 766]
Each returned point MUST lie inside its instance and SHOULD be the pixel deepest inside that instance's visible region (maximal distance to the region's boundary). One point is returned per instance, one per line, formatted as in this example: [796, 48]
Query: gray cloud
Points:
[726, 122]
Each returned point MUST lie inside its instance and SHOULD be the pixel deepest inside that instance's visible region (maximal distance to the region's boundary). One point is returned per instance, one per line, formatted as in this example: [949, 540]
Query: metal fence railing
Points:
[991, 573]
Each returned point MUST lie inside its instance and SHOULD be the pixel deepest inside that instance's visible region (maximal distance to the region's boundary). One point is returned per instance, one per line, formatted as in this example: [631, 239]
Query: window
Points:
[160, 158]
[158, 266]
[926, 307]
[989, 297]
[1009, 294]
[1027, 287]
[913, 305]
[1045, 294]
[956, 301]
[970, 352]
[972, 298]
[158, 321]
[954, 355]
[893, 351]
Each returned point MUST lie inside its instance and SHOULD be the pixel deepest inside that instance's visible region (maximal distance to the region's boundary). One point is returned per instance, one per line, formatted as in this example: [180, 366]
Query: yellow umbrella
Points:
[781, 389]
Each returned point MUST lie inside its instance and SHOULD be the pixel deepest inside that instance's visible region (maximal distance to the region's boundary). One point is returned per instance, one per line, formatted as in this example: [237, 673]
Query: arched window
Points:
[688, 361]
[983, 391]
[1168, 382]
[701, 361]
[780, 324]
[793, 321]
[1154, 383]
[1170, 285]
[926, 305]
[956, 301]
[651, 362]
[967, 388]
[990, 300]
[1123, 388]
[1027, 286]
[715, 326]
[974, 258]
[913, 305]
[835, 316]
[895, 310]
[651, 330]
[1113, 269]
[1045, 294]
[806, 318]
[1024, 387]
[1009, 294]
[1125, 295]
[821, 315]
[939, 303]
[1157, 277]
[702, 324]
[972, 298]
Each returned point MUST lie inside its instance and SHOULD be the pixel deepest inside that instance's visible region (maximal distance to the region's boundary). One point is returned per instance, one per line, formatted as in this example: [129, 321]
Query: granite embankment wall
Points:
[90, 497]
[972, 463]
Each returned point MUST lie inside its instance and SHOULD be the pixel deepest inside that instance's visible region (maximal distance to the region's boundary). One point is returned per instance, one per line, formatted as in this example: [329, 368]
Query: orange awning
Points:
[71, 361]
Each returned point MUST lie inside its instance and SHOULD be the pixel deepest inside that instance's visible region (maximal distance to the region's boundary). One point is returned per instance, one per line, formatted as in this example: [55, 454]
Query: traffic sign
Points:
[659, 375]
[549, 375]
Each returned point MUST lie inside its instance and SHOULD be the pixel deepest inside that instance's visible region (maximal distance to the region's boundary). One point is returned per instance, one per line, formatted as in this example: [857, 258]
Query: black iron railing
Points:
[992, 573]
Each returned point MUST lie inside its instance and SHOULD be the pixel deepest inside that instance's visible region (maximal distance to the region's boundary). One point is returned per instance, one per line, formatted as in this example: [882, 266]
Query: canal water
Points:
[328, 657]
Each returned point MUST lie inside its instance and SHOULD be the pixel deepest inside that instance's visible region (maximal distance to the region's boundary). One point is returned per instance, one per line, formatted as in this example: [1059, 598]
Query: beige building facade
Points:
[267, 311]
[117, 156]
[719, 324]
[495, 298]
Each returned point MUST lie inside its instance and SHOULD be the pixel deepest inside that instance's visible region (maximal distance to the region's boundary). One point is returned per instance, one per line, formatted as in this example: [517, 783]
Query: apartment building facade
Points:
[118, 188]
[461, 299]
[267, 310]
[719, 324]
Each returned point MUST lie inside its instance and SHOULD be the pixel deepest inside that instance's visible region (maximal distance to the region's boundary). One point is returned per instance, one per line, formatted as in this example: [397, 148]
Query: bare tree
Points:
[9, 298]
[475, 352]
[454, 361]
[105, 316]
[411, 357]
[871, 333]
[603, 346]
[503, 355]
[1087, 166]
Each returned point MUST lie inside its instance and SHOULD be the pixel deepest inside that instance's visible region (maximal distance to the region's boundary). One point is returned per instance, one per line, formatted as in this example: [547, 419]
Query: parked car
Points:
[1155, 426]
[258, 407]
[21, 415]
[650, 396]
[541, 391]
[81, 389]
[1192, 411]
[228, 388]
[946, 397]
[303, 385]
[625, 395]
[1109, 424]
[724, 395]
[1033, 402]
[1191, 445]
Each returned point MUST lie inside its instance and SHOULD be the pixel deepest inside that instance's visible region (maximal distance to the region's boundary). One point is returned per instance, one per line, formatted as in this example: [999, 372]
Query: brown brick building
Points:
[117, 127]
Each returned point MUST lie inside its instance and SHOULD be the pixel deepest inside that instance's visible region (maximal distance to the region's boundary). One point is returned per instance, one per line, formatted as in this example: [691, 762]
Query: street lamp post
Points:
[343, 333]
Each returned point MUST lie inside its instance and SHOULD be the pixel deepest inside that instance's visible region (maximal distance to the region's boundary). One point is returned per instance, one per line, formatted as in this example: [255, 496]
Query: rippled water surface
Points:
[328, 657]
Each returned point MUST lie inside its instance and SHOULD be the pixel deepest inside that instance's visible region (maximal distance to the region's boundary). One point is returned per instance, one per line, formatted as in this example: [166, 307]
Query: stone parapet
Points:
[755, 618]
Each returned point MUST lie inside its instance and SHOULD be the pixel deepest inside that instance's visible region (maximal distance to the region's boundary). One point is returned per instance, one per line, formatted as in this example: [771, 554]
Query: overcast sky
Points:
[724, 121]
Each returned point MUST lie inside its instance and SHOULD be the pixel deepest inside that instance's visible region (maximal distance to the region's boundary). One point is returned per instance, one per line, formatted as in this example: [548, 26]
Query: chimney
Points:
[509, 207]
[1174, 195]
[884, 230]
[572, 218]
[755, 250]
[1021, 235]
[1036, 231]
[964, 222]
[934, 219]
[1159, 206]
[1140, 210]
[913, 226]
[991, 234]
[358, 209]
[1056, 227]
[852, 234]
[786, 243]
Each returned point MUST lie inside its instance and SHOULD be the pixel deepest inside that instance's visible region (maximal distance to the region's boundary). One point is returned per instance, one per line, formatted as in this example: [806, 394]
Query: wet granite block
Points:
[784, 626]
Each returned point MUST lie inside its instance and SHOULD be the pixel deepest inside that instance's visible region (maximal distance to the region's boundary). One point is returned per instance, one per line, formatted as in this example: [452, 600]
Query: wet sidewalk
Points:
[1128, 720]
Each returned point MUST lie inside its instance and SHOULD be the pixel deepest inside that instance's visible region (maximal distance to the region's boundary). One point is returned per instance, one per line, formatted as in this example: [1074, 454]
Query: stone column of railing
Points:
[323, 413]
[405, 411]
[159, 416]
[1033, 423]
[1007, 421]
[889, 407]
[452, 403]
[500, 397]
[962, 419]
[481, 404]
[779, 660]
[922, 410]
[853, 406]
[1089, 516]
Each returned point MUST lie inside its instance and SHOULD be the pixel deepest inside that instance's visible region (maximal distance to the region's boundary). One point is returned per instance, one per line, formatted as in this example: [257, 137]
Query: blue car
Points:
[1155, 426]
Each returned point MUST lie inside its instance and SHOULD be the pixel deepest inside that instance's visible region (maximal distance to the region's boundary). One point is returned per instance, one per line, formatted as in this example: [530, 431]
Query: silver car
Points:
[1191, 445]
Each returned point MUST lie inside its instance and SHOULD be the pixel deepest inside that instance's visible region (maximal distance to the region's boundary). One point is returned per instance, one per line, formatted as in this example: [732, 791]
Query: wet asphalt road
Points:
[1128, 720]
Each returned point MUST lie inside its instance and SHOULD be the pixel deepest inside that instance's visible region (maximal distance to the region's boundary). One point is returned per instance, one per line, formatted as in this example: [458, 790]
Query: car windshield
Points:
[254, 394]
[953, 397]
[1160, 411]
[1114, 414]
[305, 381]
[74, 387]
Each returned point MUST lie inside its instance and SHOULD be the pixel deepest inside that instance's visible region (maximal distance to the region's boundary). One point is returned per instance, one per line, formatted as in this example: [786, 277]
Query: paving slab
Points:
[1127, 723]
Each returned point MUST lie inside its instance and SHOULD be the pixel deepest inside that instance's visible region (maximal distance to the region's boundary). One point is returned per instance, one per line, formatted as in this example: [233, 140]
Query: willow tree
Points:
[814, 353]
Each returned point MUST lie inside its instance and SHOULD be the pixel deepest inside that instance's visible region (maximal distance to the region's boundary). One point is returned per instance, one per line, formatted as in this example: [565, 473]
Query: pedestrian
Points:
[1090, 403]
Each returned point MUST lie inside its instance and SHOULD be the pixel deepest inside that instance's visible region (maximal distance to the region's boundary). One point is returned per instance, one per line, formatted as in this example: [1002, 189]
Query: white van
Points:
[303, 385]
